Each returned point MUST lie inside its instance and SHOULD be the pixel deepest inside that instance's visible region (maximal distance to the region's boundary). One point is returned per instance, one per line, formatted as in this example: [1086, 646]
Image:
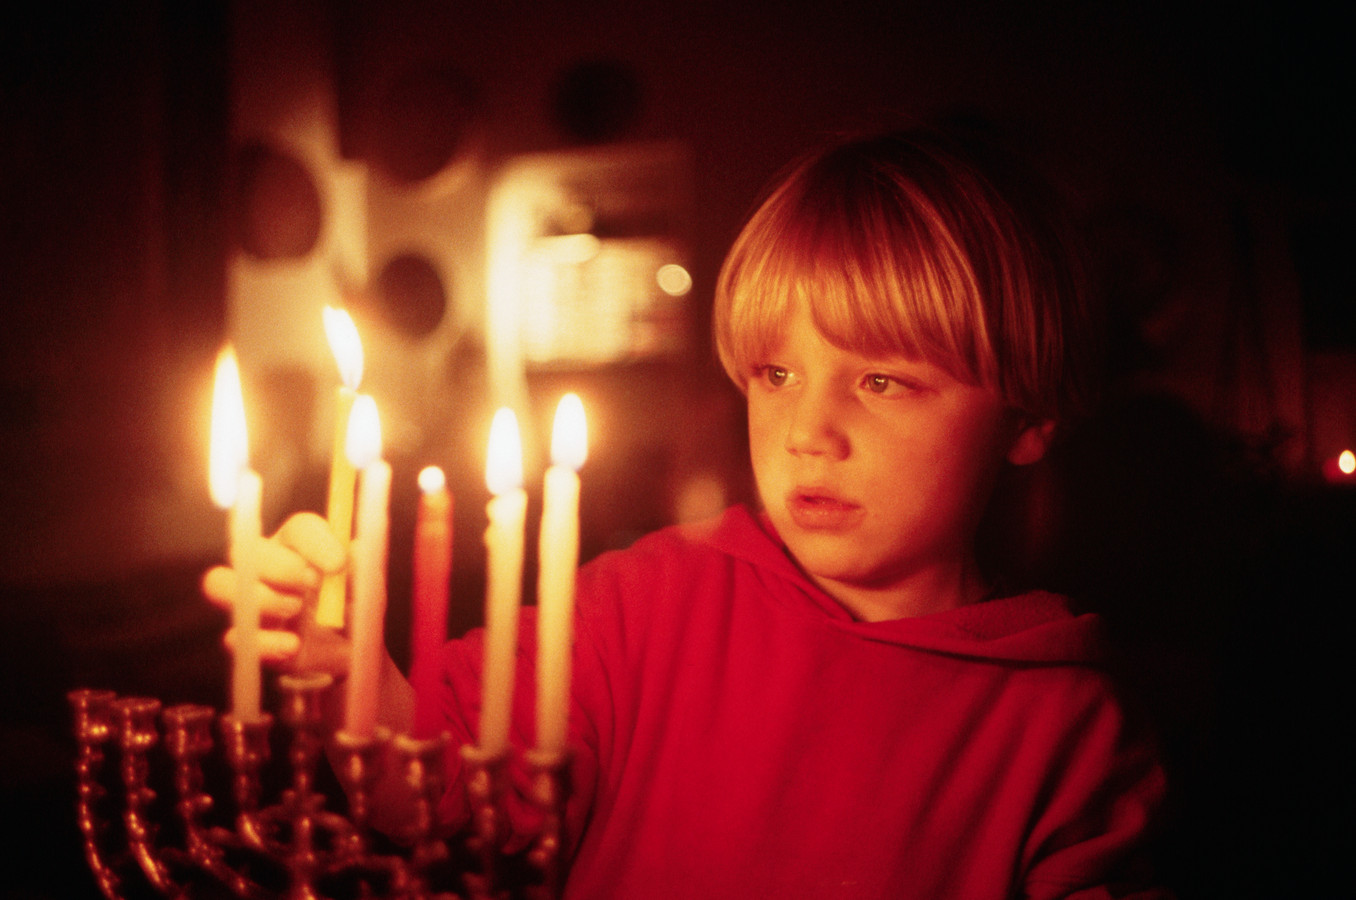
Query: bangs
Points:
[878, 278]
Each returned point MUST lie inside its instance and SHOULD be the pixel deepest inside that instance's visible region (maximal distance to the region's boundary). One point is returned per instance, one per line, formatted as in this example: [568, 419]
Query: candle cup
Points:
[135, 718]
[246, 746]
[188, 737]
[92, 712]
[486, 777]
[422, 761]
[550, 791]
[358, 766]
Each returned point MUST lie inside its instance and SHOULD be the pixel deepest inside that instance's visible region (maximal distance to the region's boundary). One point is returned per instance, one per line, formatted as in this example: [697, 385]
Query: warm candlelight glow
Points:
[431, 479]
[348, 354]
[673, 280]
[364, 432]
[504, 461]
[345, 345]
[569, 435]
[1346, 462]
[236, 488]
[229, 447]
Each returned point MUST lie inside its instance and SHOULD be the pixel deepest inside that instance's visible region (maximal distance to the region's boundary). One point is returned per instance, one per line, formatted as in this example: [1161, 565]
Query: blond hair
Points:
[900, 244]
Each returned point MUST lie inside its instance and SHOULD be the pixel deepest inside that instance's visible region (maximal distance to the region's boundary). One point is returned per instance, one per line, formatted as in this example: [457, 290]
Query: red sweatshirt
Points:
[736, 734]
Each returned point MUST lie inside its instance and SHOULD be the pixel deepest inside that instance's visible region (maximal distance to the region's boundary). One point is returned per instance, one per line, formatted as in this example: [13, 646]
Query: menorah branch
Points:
[320, 851]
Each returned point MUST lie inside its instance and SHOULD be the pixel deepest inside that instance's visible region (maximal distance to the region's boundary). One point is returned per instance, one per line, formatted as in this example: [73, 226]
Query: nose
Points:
[816, 426]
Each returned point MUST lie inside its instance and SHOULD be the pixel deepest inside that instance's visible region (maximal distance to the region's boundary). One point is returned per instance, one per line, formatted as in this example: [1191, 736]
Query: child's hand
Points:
[291, 566]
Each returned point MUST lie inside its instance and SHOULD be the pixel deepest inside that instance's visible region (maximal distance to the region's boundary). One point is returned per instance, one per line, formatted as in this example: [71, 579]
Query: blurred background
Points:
[518, 199]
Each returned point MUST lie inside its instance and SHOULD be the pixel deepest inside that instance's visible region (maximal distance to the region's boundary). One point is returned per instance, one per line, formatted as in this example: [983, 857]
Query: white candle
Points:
[368, 562]
[558, 554]
[507, 512]
[238, 489]
[348, 355]
[246, 533]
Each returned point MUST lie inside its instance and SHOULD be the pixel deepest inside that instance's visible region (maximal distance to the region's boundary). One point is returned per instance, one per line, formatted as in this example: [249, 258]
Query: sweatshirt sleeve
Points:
[1091, 839]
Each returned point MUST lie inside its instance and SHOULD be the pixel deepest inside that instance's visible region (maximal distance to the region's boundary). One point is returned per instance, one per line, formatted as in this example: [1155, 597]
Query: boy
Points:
[829, 697]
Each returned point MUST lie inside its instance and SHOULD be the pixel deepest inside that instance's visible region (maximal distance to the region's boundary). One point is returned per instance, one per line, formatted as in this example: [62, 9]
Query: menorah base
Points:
[296, 846]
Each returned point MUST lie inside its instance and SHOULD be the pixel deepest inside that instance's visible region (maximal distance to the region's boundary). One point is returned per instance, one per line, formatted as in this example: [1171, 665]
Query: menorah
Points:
[296, 846]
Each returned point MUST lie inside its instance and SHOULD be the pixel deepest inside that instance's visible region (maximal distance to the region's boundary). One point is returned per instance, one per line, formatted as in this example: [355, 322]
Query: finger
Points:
[221, 583]
[322, 650]
[218, 586]
[285, 569]
[277, 607]
[275, 647]
[313, 539]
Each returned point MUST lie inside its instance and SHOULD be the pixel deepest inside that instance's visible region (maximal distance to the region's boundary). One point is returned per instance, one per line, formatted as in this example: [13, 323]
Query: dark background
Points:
[1206, 158]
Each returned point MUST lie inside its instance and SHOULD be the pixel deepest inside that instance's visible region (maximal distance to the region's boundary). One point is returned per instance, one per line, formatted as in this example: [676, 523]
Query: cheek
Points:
[766, 448]
[762, 428]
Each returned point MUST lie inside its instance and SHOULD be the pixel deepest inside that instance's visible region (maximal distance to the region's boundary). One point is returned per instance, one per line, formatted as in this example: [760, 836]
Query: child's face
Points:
[874, 470]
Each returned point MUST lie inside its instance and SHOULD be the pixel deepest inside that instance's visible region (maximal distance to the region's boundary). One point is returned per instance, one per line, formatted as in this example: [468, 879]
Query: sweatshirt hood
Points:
[1035, 628]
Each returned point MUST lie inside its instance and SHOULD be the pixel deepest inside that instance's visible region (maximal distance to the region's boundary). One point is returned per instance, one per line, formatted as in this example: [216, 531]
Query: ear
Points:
[1033, 439]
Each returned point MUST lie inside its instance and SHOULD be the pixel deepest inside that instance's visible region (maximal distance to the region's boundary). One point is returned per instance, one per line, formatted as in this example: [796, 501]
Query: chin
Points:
[832, 559]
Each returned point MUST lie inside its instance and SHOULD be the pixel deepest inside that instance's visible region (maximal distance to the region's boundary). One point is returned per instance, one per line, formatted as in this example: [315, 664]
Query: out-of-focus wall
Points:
[122, 178]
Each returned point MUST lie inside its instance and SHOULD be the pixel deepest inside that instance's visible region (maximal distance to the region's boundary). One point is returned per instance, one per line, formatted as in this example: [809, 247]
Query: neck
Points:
[920, 594]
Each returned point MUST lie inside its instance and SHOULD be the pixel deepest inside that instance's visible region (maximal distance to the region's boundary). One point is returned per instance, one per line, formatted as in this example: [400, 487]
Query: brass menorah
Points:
[295, 847]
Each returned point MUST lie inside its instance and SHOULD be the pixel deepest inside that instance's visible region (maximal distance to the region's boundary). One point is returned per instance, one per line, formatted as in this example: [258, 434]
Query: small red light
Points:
[1340, 469]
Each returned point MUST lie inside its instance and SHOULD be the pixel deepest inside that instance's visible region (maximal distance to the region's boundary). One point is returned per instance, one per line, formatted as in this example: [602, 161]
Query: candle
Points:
[503, 593]
[432, 565]
[238, 489]
[558, 559]
[368, 563]
[348, 354]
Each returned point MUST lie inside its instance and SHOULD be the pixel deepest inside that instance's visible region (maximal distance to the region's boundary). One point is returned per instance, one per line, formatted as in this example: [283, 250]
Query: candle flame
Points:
[363, 438]
[431, 479]
[346, 346]
[1346, 462]
[569, 435]
[229, 443]
[504, 462]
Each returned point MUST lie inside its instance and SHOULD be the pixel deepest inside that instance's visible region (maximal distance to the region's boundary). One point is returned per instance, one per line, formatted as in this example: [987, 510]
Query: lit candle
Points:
[432, 565]
[368, 562]
[238, 489]
[503, 593]
[348, 353]
[558, 559]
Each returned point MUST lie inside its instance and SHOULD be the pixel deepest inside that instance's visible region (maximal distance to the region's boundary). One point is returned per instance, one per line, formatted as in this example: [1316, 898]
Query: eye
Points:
[885, 385]
[775, 376]
[879, 384]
